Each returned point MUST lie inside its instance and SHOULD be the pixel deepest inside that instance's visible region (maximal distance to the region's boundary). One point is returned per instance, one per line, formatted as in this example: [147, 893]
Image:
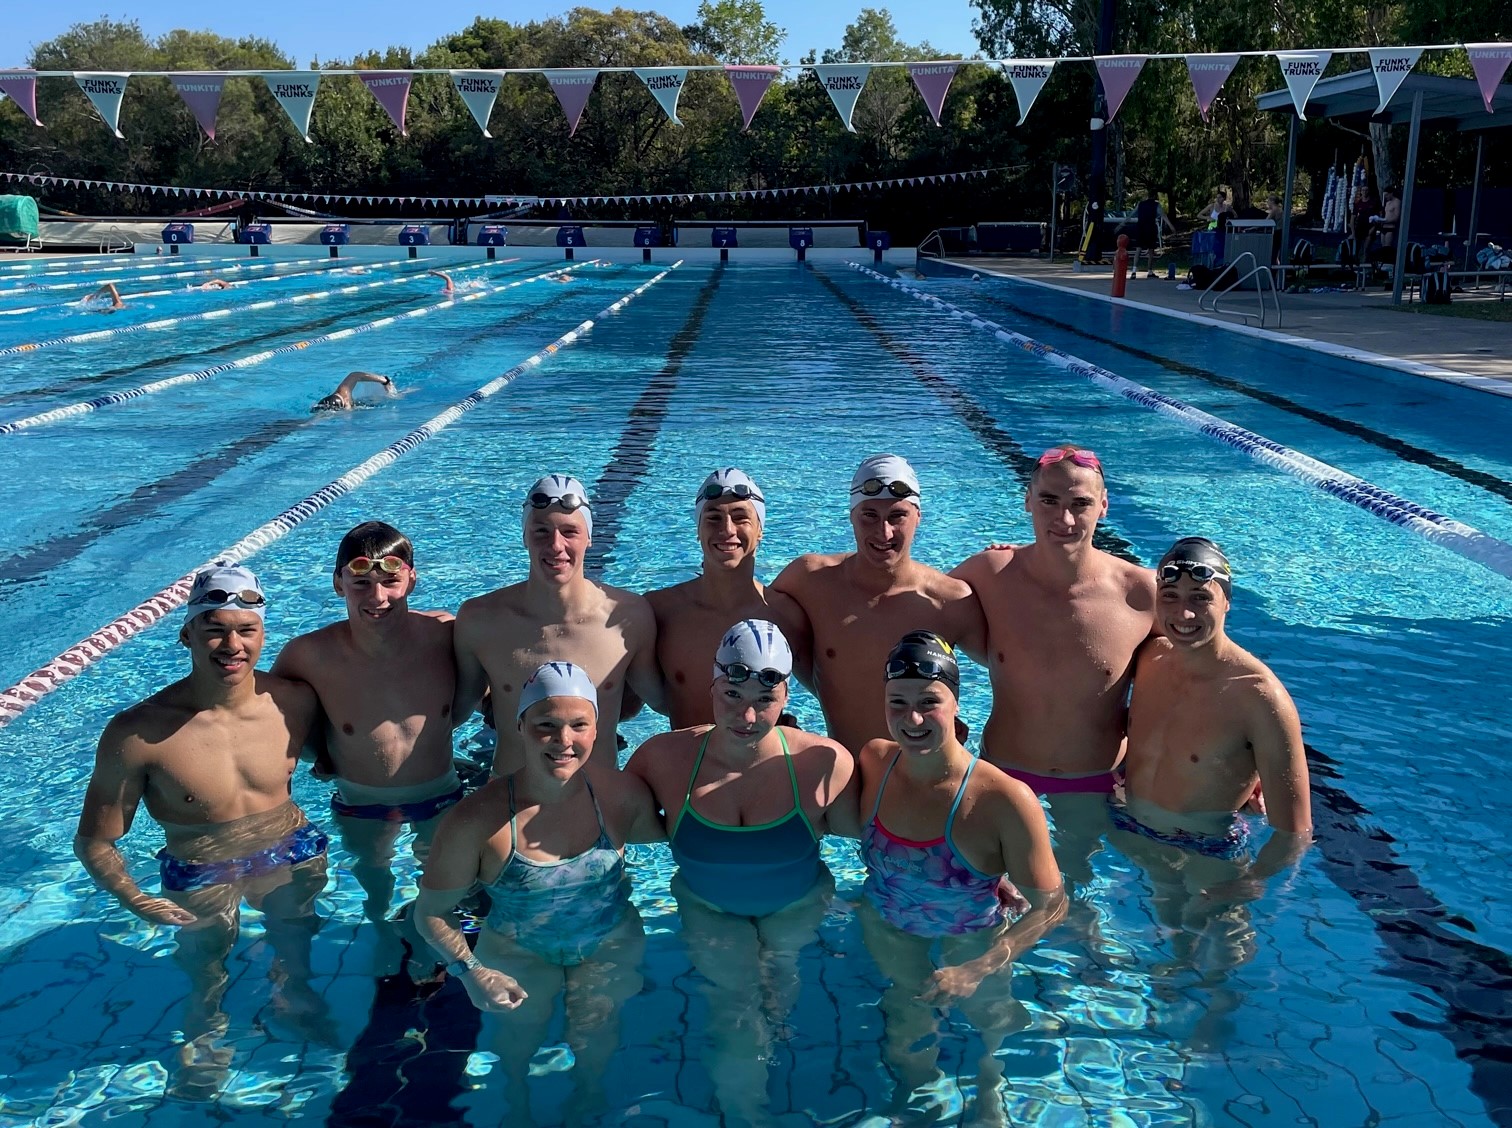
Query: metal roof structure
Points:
[1449, 102]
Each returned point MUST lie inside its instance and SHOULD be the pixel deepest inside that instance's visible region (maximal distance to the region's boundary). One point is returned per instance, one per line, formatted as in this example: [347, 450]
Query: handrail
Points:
[116, 241]
[1256, 272]
[923, 243]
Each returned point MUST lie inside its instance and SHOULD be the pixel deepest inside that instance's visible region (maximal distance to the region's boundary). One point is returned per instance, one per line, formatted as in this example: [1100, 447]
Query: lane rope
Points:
[1466, 540]
[20, 697]
[181, 272]
[85, 406]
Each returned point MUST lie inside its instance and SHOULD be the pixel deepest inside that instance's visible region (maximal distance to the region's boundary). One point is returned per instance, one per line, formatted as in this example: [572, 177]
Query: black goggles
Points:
[714, 490]
[1170, 572]
[875, 487]
[927, 669]
[248, 597]
[737, 672]
[571, 502]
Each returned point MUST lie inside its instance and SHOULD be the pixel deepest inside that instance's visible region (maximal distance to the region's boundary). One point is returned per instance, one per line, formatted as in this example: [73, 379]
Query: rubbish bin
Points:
[1255, 236]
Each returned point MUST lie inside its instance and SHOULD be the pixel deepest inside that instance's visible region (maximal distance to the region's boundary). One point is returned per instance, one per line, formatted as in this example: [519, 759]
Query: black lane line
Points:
[35, 561]
[1473, 980]
[1406, 451]
[978, 420]
[631, 459]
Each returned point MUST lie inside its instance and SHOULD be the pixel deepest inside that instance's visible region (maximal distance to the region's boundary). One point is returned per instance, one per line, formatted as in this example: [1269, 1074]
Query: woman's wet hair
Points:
[375, 540]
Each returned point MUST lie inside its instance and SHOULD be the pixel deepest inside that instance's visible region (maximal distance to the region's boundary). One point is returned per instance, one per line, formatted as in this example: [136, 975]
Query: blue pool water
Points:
[1373, 990]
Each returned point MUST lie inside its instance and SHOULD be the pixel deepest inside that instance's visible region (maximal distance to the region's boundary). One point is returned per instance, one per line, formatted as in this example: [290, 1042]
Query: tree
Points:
[736, 31]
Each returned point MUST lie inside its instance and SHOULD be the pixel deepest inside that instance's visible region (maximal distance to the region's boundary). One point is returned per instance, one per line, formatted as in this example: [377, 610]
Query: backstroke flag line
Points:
[1489, 60]
[1118, 73]
[572, 88]
[479, 89]
[666, 86]
[1028, 77]
[1208, 74]
[202, 94]
[392, 89]
[105, 91]
[295, 92]
[844, 82]
[933, 81]
[750, 85]
[21, 88]
[1302, 69]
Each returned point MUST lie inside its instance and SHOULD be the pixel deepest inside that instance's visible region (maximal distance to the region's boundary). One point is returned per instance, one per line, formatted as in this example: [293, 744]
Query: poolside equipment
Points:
[414, 235]
[800, 239]
[18, 220]
[176, 233]
[335, 235]
[878, 241]
[569, 236]
[724, 238]
[255, 235]
[647, 236]
[492, 235]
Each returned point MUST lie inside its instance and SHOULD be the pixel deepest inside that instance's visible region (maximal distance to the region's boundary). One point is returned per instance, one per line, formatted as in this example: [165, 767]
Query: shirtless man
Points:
[450, 288]
[385, 679]
[1208, 719]
[691, 617]
[107, 299]
[1063, 622]
[556, 614]
[342, 399]
[212, 755]
[860, 603]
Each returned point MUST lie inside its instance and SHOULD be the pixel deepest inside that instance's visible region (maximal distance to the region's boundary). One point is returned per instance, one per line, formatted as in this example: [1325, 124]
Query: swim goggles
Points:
[713, 490]
[1170, 572]
[927, 669]
[875, 487]
[737, 672]
[390, 564]
[247, 597]
[571, 502]
[1081, 457]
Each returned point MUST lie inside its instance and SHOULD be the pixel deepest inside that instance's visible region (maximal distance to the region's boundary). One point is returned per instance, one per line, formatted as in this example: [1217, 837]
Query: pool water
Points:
[1371, 989]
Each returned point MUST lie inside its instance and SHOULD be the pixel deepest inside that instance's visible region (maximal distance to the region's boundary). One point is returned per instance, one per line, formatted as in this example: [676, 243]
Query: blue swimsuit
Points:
[562, 910]
[749, 871]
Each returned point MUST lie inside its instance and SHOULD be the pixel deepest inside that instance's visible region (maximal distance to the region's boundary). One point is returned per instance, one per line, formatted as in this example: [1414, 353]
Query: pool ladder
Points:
[116, 241]
[1263, 279]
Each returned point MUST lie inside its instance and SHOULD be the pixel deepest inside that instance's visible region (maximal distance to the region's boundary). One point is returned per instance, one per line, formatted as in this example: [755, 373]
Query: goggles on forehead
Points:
[1170, 572]
[362, 565]
[571, 502]
[875, 487]
[248, 597]
[1083, 458]
[737, 672]
[926, 669]
[712, 491]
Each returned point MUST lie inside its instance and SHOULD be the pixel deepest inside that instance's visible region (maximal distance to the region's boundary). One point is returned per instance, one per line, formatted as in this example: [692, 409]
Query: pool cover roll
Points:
[18, 219]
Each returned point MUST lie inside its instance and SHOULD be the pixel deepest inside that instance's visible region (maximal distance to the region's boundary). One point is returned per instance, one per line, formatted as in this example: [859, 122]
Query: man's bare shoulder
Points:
[1138, 582]
[302, 654]
[437, 616]
[942, 586]
[667, 601]
[504, 602]
[289, 695]
[629, 608]
[139, 728]
[1258, 683]
[810, 568]
[985, 564]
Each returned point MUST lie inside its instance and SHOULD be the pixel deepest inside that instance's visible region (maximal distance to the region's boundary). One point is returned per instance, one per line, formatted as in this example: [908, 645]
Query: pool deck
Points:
[1357, 325]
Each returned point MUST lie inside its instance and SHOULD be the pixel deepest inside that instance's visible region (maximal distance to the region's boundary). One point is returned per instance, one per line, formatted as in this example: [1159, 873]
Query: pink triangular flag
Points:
[933, 81]
[750, 85]
[572, 88]
[1302, 69]
[202, 94]
[1118, 73]
[392, 89]
[21, 87]
[1208, 74]
[105, 92]
[1489, 61]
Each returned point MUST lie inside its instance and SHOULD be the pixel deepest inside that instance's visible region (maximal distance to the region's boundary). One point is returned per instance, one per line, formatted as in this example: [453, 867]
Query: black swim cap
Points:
[1201, 559]
[927, 656]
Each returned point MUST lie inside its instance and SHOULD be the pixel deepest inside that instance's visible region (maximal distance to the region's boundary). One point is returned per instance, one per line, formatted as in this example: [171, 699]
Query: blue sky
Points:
[338, 28]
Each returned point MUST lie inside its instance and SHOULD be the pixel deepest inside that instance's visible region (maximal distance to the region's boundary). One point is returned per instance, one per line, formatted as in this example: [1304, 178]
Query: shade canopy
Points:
[1453, 103]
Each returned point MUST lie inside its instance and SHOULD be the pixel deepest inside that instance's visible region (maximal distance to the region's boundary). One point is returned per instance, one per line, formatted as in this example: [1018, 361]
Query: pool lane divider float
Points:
[20, 697]
[181, 272]
[1466, 540]
[211, 314]
[85, 406]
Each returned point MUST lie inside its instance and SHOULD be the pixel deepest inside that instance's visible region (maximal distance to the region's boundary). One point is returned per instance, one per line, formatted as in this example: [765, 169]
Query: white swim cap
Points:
[757, 646]
[886, 473]
[224, 587]
[563, 490]
[731, 483]
[557, 679]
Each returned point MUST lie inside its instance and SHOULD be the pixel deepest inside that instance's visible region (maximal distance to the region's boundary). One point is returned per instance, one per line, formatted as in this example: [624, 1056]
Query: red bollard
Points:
[1121, 267]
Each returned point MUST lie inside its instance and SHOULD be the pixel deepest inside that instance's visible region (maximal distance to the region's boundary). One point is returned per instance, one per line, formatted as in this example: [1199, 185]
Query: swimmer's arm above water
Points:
[110, 804]
[472, 678]
[1274, 731]
[316, 748]
[644, 675]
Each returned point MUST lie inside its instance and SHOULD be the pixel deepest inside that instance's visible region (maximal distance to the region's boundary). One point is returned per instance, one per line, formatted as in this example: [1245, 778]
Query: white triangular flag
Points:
[105, 91]
[1391, 66]
[1302, 69]
[844, 83]
[479, 89]
[1028, 77]
[295, 92]
[665, 84]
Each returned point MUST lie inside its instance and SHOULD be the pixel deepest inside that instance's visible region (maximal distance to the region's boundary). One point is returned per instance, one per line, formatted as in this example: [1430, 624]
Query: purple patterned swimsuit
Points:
[927, 888]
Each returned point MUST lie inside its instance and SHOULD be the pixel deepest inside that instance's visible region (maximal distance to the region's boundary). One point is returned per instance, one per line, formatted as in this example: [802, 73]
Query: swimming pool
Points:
[1371, 990]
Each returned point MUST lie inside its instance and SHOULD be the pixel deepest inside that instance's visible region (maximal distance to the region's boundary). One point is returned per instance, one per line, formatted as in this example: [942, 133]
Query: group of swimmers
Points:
[962, 876]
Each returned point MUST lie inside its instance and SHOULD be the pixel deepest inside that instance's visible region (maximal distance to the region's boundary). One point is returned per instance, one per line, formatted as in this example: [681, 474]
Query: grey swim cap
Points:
[755, 644]
[731, 484]
[893, 473]
[224, 587]
[563, 490]
[557, 679]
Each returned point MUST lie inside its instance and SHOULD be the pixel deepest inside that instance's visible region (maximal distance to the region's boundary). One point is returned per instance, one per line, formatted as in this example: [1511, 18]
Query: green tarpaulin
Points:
[18, 218]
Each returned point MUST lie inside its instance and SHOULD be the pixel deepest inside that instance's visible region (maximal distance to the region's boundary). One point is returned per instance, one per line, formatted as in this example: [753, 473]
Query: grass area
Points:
[1482, 310]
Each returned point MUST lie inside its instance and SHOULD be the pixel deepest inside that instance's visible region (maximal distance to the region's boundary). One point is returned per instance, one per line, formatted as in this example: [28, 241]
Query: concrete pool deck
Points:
[1358, 325]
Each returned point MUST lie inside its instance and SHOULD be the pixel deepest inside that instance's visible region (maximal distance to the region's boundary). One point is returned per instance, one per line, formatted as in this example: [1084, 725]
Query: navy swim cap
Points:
[1199, 558]
[926, 656]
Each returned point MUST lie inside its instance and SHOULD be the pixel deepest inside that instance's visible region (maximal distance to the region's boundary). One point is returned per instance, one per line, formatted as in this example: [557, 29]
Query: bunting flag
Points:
[479, 89]
[21, 87]
[1489, 61]
[844, 81]
[202, 94]
[666, 85]
[1391, 66]
[933, 81]
[750, 85]
[1208, 74]
[392, 90]
[1028, 77]
[1302, 69]
[295, 92]
[572, 88]
[1118, 73]
[105, 91]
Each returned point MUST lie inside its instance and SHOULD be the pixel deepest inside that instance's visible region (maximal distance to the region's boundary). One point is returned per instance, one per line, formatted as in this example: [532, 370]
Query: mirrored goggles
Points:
[712, 491]
[737, 672]
[926, 669]
[248, 597]
[390, 565]
[568, 501]
[875, 487]
[1170, 572]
